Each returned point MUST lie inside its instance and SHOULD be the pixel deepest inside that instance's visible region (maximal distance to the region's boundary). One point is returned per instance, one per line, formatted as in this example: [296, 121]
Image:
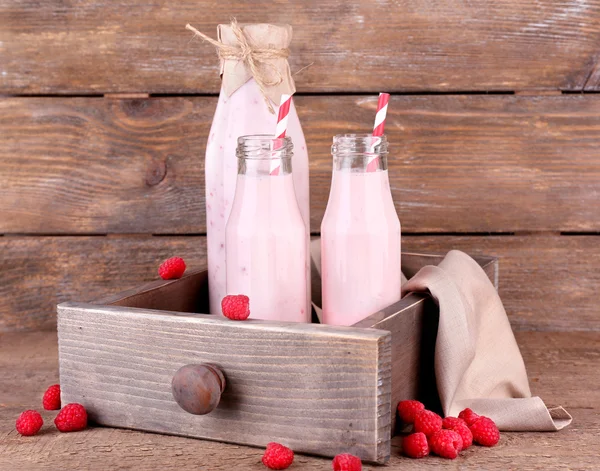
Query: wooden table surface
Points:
[562, 367]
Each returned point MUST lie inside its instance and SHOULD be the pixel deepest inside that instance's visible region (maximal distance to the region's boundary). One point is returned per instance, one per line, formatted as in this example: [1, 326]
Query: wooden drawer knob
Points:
[197, 388]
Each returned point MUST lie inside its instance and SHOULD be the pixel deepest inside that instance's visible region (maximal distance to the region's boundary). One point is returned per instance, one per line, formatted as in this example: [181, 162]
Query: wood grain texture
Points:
[100, 47]
[186, 294]
[73, 165]
[39, 273]
[318, 389]
[457, 163]
[546, 283]
[474, 163]
[562, 367]
[405, 321]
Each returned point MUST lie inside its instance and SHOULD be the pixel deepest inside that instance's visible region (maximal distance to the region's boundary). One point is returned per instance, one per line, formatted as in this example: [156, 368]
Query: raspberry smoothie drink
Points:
[242, 110]
[266, 235]
[360, 234]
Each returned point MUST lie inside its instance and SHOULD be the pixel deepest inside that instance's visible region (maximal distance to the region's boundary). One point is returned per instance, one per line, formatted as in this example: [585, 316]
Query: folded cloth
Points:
[477, 360]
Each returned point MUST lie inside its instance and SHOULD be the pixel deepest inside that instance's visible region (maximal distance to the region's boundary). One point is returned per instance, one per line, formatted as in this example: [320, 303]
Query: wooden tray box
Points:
[319, 389]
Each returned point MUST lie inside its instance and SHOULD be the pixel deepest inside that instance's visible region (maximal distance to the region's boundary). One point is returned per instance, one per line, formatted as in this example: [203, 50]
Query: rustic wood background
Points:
[494, 126]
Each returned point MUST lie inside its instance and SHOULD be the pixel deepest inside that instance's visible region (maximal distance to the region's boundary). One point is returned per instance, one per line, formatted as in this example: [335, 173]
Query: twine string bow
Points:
[256, 59]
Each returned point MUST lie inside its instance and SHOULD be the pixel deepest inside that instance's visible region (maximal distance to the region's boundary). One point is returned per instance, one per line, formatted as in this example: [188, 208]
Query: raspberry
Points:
[415, 445]
[71, 418]
[408, 409]
[468, 416]
[277, 456]
[465, 434]
[485, 432]
[427, 422]
[451, 422]
[346, 462]
[236, 307]
[446, 443]
[29, 423]
[172, 268]
[51, 399]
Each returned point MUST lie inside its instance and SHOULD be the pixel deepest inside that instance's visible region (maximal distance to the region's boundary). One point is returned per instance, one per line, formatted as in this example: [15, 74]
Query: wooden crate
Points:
[319, 389]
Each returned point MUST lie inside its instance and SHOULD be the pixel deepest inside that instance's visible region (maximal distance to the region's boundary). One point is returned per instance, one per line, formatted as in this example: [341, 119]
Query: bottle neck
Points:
[359, 153]
[264, 155]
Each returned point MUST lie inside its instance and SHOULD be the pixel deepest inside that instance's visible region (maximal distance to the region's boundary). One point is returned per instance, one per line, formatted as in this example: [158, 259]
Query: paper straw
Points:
[382, 106]
[281, 128]
[378, 127]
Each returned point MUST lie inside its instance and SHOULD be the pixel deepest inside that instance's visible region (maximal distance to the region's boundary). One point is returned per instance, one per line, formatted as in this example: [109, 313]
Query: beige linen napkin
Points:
[477, 360]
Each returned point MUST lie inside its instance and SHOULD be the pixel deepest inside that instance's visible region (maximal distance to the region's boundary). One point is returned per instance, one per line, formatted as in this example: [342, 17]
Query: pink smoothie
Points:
[243, 113]
[266, 248]
[360, 247]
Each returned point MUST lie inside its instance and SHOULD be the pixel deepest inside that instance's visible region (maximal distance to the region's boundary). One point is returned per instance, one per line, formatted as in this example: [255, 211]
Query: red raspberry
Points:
[468, 416]
[485, 432]
[71, 418]
[277, 456]
[446, 443]
[236, 307]
[346, 462]
[451, 422]
[408, 409]
[465, 434]
[172, 268]
[29, 423]
[51, 399]
[415, 445]
[427, 422]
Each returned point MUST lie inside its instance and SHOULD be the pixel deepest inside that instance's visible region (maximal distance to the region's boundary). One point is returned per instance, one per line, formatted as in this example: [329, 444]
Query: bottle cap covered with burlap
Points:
[258, 51]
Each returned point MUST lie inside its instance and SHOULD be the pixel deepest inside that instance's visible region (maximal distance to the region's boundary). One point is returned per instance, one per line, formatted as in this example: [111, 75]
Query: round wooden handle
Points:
[197, 388]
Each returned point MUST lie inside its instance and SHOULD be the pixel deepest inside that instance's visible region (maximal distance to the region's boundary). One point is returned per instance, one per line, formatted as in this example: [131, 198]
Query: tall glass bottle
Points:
[266, 235]
[360, 233]
[242, 110]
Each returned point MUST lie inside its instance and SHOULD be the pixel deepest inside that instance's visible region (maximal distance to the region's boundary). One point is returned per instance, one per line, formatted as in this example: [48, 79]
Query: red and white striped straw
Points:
[281, 129]
[382, 106]
[378, 127]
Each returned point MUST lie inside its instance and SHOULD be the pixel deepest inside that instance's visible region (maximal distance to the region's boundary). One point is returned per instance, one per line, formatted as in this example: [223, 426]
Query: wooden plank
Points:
[546, 283]
[99, 47]
[475, 163]
[562, 367]
[319, 389]
[412, 347]
[186, 294]
[68, 162]
[495, 163]
[41, 272]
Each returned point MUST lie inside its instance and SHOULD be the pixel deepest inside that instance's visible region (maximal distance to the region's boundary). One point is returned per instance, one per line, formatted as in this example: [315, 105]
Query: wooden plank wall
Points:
[494, 127]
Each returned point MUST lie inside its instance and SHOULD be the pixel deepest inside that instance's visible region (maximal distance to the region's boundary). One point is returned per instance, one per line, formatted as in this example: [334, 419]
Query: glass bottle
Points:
[360, 233]
[266, 234]
[242, 110]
